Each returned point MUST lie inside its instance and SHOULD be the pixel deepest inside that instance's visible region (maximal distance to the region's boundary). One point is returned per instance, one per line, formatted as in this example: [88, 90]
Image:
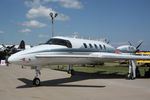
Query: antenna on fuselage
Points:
[105, 40]
[75, 34]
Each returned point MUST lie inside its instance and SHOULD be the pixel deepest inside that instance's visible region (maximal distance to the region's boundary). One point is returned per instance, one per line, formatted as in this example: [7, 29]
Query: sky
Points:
[119, 21]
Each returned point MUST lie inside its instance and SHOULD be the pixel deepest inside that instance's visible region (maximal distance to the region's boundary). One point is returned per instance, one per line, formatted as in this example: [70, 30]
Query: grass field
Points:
[109, 70]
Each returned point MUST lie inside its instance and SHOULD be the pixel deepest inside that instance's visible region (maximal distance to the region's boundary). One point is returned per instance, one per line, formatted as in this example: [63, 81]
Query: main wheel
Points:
[71, 72]
[36, 81]
[129, 76]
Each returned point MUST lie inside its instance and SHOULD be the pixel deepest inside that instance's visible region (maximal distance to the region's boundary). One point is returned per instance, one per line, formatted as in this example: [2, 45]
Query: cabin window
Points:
[100, 47]
[104, 47]
[95, 46]
[85, 45]
[62, 42]
[90, 45]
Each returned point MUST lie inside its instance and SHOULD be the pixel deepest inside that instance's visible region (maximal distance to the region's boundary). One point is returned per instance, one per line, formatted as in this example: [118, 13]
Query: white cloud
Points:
[34, 4]
[43, 36]
[1, 32]
[40, 12]
[34, 23]
[27, 30]
[68, 3]
[43, 12]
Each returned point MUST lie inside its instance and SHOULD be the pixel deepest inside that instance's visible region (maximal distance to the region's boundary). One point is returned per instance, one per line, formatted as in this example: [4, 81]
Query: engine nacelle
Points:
[127, 49]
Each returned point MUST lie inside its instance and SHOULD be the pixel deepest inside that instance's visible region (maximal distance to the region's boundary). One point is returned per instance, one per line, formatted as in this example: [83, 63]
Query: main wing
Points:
[115, 56]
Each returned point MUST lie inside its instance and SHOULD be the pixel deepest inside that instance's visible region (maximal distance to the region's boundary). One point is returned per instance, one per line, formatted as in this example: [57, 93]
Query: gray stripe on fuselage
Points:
[71, 50]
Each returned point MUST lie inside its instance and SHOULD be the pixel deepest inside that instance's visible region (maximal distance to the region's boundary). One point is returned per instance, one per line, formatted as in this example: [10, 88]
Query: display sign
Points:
[3, 63]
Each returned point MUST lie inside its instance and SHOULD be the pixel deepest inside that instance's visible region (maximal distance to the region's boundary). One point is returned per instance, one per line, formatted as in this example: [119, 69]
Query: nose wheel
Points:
[36, 80]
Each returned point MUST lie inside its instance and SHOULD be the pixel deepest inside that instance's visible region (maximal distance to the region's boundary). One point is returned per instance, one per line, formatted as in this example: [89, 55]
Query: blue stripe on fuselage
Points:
[72, 50]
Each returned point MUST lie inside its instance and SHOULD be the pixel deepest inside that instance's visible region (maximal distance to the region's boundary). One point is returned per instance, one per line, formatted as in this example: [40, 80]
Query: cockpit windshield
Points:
[63, 42]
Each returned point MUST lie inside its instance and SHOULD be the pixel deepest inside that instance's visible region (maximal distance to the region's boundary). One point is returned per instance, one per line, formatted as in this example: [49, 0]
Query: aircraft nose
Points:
[13, 59]
[10, 59]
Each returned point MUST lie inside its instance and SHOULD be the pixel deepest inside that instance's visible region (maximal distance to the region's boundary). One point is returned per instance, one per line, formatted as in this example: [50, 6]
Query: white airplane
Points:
[68, 51]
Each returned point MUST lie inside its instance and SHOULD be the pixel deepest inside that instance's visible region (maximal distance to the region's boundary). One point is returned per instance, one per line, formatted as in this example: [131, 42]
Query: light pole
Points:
[52, 17]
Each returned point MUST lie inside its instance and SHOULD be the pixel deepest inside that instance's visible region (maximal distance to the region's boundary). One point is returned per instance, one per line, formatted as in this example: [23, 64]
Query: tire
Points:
[36, 82]
[129, 76]
[71, 72]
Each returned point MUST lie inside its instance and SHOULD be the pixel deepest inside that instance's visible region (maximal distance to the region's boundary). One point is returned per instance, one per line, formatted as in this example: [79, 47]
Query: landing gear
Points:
[132, 70]
[70, 70]
[129, 76]
[36, 80]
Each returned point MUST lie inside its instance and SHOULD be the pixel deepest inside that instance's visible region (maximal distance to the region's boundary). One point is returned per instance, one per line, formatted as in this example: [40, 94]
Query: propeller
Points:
[8, 50]
[137, 47]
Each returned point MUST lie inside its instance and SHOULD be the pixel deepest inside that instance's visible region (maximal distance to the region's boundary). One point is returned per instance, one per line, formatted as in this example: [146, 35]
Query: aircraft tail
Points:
[22, 45]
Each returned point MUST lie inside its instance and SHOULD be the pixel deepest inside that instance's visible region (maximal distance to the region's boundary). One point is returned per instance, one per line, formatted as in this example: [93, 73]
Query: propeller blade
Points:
[4, 46]
[12, 46]
[130, 43]
[139, 45]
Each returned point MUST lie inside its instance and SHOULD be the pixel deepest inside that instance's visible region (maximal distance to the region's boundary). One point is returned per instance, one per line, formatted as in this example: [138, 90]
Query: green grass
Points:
[107, 70]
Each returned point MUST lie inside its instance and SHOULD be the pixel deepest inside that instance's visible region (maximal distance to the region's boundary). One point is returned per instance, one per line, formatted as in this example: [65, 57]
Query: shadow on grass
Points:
[99, 74]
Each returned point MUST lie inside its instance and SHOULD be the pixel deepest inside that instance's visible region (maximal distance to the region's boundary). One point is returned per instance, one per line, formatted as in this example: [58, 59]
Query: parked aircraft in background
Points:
[69, 51]
[7, 50]
[129, 48]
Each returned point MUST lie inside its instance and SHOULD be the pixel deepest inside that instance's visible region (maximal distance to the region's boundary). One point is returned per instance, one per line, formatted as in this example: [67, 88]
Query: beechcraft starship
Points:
[68, 51]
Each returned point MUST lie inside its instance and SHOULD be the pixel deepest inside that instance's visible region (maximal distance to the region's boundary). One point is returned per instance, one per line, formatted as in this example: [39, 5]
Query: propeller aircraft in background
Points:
[7, 50]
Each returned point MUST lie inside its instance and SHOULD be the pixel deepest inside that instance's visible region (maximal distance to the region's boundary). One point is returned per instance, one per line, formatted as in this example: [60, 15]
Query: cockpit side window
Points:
[69, 45]
[63, 42]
